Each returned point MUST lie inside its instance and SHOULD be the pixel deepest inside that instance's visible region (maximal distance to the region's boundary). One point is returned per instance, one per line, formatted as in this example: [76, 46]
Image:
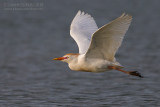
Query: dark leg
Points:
[134, 73]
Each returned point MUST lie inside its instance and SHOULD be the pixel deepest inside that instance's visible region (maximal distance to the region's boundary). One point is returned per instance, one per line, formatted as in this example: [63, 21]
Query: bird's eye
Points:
[66, 57]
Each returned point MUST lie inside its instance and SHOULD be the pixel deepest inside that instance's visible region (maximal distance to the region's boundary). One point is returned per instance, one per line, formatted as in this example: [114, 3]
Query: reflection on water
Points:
[30, 39]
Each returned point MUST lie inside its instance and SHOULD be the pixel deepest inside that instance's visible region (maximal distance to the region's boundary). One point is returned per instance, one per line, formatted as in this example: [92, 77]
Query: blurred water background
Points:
[32, 32]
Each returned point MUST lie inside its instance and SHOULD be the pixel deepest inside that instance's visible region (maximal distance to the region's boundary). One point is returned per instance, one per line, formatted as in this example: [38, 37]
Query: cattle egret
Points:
[97, 47]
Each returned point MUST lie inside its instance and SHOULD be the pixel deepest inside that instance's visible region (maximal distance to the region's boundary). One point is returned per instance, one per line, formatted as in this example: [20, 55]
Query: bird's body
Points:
[81, 63]
[97, 47]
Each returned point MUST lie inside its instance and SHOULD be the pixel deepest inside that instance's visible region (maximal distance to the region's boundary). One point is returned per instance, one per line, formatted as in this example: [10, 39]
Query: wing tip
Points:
[79, 12]
[82, 13]
[124, 15]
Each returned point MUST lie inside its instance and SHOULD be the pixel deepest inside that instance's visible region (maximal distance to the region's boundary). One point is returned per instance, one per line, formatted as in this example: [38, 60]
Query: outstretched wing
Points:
[106, 40]
[81, 30]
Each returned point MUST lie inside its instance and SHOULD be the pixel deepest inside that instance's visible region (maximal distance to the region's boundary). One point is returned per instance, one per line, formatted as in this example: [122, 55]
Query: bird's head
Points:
[67, 58]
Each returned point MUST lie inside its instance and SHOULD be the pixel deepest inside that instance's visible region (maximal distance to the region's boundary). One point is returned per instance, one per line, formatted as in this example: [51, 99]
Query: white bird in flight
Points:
[97, 47]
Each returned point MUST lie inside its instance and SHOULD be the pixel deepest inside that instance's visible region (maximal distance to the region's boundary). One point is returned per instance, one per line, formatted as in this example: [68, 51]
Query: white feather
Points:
[106, 40]
[81, 30]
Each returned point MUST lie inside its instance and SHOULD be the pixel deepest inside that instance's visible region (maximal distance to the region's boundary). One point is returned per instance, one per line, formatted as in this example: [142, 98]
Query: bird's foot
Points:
[135, 73]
